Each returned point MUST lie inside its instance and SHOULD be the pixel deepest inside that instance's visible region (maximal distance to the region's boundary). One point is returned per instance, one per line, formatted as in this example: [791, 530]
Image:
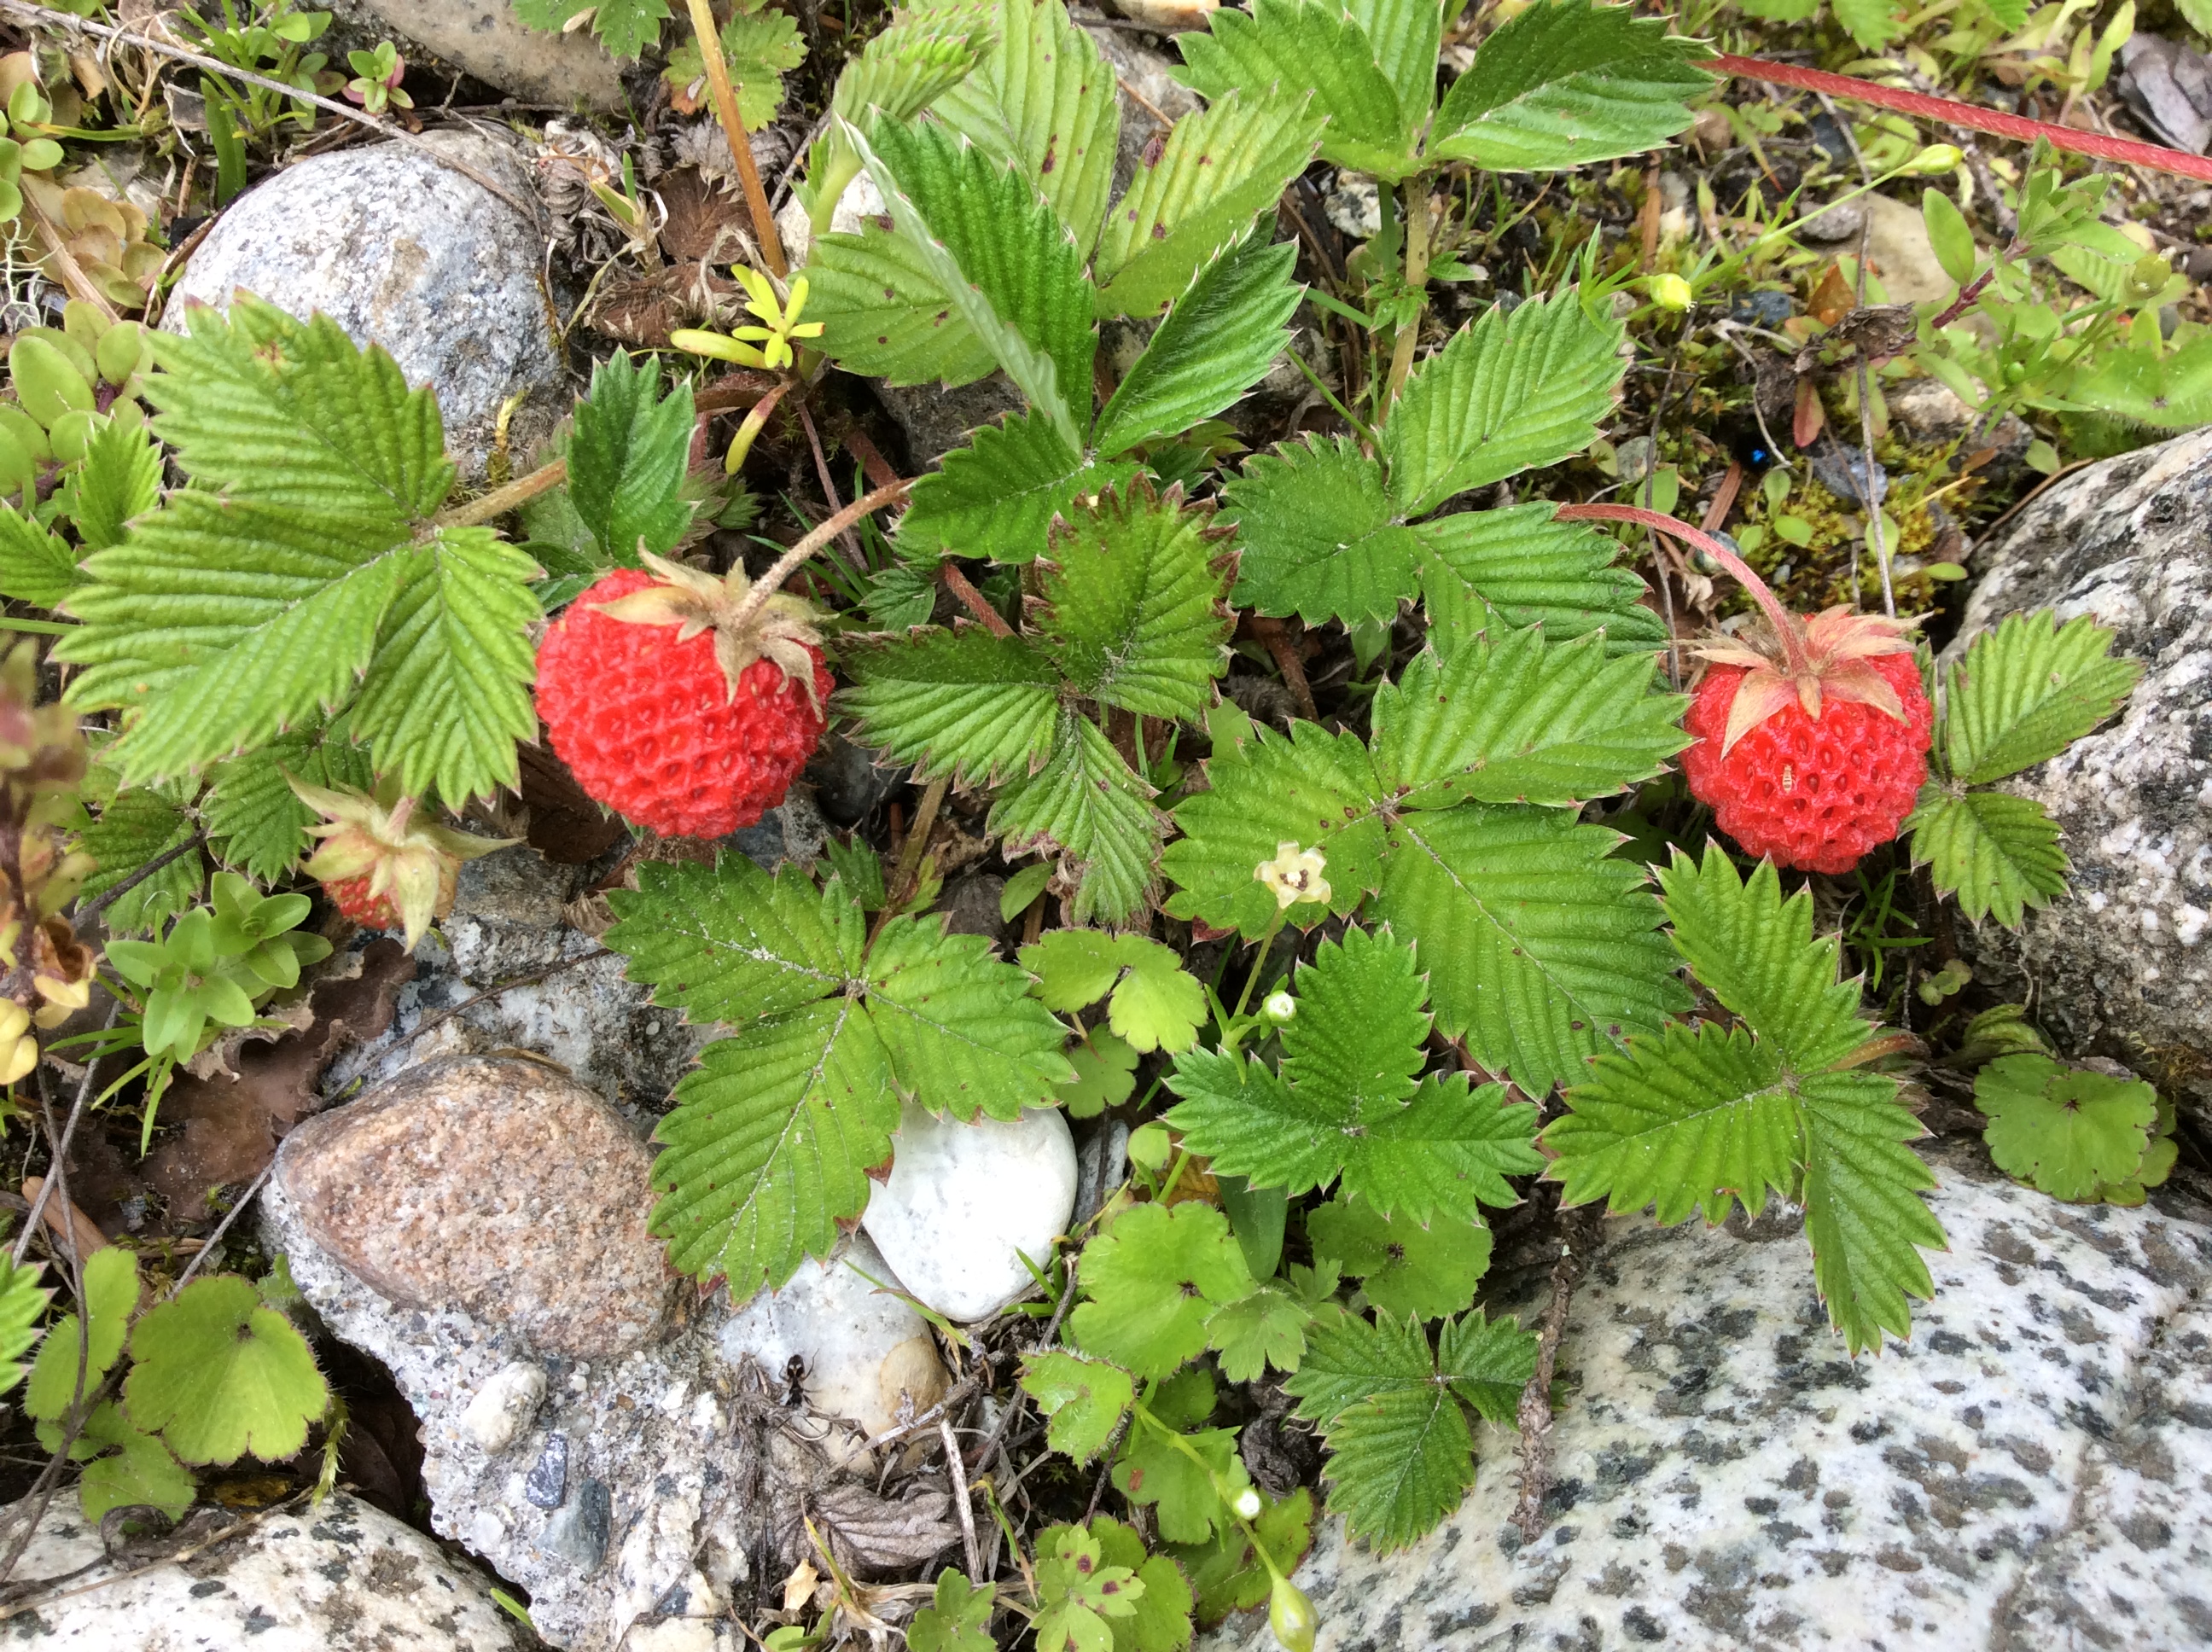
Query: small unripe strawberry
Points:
[685, 703]
[383, 868]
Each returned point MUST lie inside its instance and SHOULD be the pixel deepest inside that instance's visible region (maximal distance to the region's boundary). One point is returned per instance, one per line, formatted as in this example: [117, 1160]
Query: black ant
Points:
[794, 1376]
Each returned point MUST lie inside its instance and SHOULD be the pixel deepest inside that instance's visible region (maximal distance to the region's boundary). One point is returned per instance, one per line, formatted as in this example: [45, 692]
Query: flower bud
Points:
[1246, 1503]
[1292, 1617]
[1672, 293]
[1278, 1007]
[1935, 158]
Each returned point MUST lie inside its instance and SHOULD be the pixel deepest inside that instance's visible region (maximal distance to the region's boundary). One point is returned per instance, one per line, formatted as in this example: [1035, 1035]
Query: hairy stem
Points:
[500, 501]
[1787, 626]
[1417, 282]
[769, 583]
[734, 128]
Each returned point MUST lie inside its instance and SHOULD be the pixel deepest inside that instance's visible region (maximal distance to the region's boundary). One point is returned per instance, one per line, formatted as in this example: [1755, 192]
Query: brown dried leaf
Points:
[872, 1535]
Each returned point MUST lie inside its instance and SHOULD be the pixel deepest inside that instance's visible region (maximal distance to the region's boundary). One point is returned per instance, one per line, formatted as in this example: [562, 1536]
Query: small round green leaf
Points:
[217, 1375]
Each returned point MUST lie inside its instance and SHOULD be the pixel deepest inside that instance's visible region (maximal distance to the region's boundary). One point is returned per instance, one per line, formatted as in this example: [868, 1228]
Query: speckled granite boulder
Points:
[2123, 967]
[341, 1577]
[404, 252]
[2029, 1471]
[497, 1186]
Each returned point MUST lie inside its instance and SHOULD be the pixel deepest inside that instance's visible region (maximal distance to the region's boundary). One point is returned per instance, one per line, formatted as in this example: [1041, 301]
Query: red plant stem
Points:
[972, 599]
[1973, 119]
[1787, 626]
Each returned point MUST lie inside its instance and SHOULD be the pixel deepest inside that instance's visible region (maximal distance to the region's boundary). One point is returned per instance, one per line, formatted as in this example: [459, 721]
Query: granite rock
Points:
[2026, 1472]
[404, 252]
[1150, 74]
[485, 39]
[2123, 966]
[936, 418]
[965, 1202]
[342, 1576]
[500, 1187]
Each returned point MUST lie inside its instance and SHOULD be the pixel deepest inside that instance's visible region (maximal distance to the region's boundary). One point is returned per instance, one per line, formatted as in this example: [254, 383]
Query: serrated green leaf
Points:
[255, 820]
[1541, 950]
[1756, 953]
[628, 458]
[134, 827]
[1080, 1591]
[884, 314]
[956, 1619]
[1225, 330]
[759, 44]
[2027, 692]
[1083, 1400]
[1509, 391]
[625, 27]
[1689, 1120]
[1863, 1213]
[1184, 1495]
[963, 702]
[1084, 798]
[1150, 1282]
[22, 1301]
[1044, 100]
[1267, 1327]
[1872, 24]
[1220, 167]
[1406, 36]
[132, 1469]
[1315, 789]
[217, 1375]
[732, 943]
[448, 691]
[2066, 1130]
[1007, 265]
[1290, 47]
[997, 497]
[1319, 535]
[964, 1036]
[1161, 1622]
[1997, 853]
[1134, 604]
[119, 480]
[1430, 1270]
[35, 566]
[1566, 82]
[1512, 719]
[1227, 1577]
[1516, 566]
[1105, 1074]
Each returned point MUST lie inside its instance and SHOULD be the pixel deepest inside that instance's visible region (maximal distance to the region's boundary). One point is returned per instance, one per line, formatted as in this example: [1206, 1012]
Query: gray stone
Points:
[794, 830]
[2034, 1457]
[546, 1485]
[502, 1408]
[2123, 966]
[404, 252]
[578, 1533]
[936, 419]
[484, 37]
[850, 783]
[970, 906]
[1354, 205]
[1150, 73]
[339, 1576]
[499, 1187]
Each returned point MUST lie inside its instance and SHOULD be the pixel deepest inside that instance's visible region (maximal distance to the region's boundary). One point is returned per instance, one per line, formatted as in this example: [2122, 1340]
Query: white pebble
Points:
[504, 1406]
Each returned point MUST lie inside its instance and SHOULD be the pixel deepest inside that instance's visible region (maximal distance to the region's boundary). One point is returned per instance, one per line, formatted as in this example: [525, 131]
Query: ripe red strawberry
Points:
[1811, 735]
[681, 700]
[380, 866]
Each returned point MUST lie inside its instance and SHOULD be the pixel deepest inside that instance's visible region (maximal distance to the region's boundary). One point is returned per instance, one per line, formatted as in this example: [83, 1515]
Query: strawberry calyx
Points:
[1791, 658]
[749, 622]
[375, 846]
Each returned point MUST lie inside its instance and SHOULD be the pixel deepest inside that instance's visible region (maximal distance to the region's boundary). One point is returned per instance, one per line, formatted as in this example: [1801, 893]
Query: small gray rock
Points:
[850, 780]
[937, 420]
[1151, 73]
[1355, 206]
[502, 1408]
[1837, 223]
[406, 253]
[578, 1531]
[342, 1576]
[546, 1485]
[970, 906]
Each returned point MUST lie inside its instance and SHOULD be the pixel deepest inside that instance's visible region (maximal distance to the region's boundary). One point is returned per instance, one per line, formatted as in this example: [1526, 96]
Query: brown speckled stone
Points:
[494, 1185]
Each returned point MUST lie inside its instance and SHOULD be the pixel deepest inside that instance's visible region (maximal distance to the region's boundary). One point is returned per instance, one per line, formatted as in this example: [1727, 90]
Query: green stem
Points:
[1258, 963]
[1181, 1444]
[1417, 282]
[500, 501]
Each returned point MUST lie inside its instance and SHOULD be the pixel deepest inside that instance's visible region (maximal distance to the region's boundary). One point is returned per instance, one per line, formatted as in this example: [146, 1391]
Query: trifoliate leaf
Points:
[628, 457]
[22, 1301]
[2027, 692]
[1083, 1400]
[255, 820]
[1290, 47]
[1515, 565]
[1348, 1101]
[1509, 391]
[1512, 719]
[1755, 952]
[2066, 1130]
[1135, 610]
[1541, 948]
[1404, 1266]
[1150, 1282]
[885, 314]
[625, 27]
[217, 1375]
[111, 1290]
[1155, 1004]
[1566, 82]
[1220, 166]
[960, 702]
[36, 567]
[759, 45]
[1161, 1622]
[1105, 1074]
[1010, 269]
[1267, 1327]
[773, 1134]
[1320, 535]
[1085, 800]
[1218, 341]
[298, 573]
[1179, 1474]
[132, 1468]
[119, 480]
[1043, 100]
[996, 498]
[1079, 1593]
[1228, 1576]
[956, 1619]
[1997, 853]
